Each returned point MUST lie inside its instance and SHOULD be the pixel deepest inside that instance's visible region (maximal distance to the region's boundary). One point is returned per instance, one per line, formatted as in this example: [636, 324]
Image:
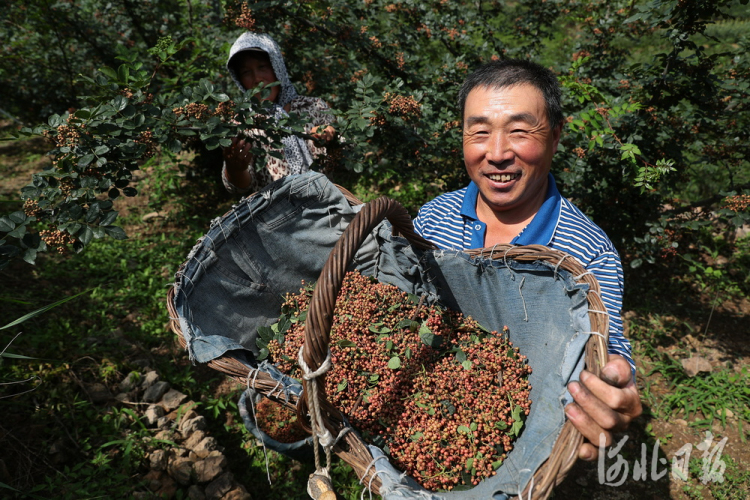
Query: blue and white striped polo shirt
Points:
[450, 221]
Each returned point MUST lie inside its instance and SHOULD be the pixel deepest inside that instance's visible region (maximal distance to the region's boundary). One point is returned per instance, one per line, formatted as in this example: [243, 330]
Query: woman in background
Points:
[253, 59]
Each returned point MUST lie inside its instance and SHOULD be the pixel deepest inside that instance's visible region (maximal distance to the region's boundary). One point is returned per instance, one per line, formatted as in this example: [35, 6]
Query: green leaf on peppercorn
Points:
[517, 415]
[282, 326]
[408, 323]
[429, 338]
[447, 408]
[265, 333]
[460, 356]
[379, 328]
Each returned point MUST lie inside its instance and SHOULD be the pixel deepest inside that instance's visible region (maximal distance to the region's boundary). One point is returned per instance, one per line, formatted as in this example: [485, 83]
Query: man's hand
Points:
[237, 157]
[603, 405]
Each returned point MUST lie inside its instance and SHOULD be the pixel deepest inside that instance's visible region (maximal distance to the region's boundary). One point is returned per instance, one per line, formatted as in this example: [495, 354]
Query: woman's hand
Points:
[603, 405]
[326, 135]
[238, 158]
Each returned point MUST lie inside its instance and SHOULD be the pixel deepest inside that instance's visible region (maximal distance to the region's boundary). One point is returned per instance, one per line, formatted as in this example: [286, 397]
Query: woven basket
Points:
[351, 448]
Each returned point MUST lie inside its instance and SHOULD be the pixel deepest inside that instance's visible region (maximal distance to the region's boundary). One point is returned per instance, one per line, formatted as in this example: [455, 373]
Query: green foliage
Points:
[84, 481]
[39, 311]
[134, 444]
[680, 91]
[655, 134]
[712, 395]
[216, 406]
[118, 315]
[49, 44]
[5, 354]
[99, 147]
[712, 278]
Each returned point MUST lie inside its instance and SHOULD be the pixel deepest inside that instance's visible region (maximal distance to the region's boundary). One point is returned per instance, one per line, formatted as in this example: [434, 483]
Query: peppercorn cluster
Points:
[441, 395]
[192, 110]
[146, 138]
[737, 203]
[59, 240]
[31, 208]
[245, 19]
[278, 422]
[405, 106]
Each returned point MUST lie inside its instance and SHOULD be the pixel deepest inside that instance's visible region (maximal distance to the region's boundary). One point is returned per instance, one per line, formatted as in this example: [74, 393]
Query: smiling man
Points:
[512, 121]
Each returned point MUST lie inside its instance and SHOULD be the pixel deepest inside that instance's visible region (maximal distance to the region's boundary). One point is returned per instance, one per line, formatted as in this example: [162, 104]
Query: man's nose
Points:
[498, 148]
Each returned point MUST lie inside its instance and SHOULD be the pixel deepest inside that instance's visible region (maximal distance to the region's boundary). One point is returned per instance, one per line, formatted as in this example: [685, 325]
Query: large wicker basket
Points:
[320, 317]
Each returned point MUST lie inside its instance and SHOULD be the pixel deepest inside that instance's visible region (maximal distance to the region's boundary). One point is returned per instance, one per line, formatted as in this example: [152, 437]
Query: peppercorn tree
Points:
[655, 94]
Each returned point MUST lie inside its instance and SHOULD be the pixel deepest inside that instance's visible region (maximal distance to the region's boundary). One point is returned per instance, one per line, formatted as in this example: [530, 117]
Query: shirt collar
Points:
[469, 206]
[541, 228]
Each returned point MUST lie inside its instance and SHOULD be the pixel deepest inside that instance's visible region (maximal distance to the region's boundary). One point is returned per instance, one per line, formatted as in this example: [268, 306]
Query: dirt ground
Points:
[615, 476]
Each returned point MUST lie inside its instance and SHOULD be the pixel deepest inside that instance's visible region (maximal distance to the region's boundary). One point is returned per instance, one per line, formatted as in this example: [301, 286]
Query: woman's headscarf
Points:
[295, 150]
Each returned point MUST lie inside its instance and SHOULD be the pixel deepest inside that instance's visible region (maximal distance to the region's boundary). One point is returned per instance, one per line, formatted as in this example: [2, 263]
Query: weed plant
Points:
[709, 397]
[735, 486]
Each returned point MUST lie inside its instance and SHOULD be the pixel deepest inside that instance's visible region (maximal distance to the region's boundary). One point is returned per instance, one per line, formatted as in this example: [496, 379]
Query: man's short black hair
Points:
[510, 72]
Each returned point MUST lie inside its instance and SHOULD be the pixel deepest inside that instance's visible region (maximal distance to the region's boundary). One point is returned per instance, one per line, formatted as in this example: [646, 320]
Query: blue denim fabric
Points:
[302, 450]
[235, 277]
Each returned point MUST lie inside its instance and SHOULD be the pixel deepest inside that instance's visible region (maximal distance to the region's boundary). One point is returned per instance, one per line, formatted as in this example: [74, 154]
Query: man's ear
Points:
[556, 133]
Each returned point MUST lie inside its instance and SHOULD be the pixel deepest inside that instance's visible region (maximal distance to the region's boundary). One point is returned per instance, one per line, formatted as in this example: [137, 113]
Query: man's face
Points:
[508, 147]
[252, 68]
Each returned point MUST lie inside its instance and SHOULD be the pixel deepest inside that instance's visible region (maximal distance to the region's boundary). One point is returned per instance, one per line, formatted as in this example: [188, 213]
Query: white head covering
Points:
[295, 150]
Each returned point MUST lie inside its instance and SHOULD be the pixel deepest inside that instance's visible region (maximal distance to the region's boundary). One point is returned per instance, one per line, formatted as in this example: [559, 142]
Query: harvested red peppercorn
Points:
[441, 395]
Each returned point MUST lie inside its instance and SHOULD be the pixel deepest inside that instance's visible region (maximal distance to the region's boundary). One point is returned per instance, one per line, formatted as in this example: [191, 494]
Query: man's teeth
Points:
[502, 177]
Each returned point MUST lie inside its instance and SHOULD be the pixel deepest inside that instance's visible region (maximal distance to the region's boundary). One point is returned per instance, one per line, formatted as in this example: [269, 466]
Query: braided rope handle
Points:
[321, 308]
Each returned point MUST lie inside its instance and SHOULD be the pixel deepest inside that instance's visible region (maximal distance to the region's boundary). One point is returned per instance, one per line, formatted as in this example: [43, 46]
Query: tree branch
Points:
[704, 202]
[364, 47]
